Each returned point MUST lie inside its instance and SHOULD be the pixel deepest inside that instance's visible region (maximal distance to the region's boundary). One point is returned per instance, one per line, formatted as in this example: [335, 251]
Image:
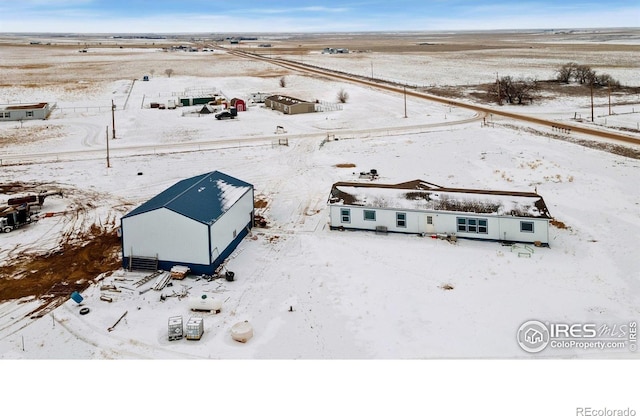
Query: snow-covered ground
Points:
[312, 293]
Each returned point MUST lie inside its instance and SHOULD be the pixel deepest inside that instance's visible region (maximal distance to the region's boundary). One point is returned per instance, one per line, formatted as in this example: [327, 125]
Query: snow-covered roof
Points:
[24, 106]
[283, 99]
[424, 196]
[203, 198]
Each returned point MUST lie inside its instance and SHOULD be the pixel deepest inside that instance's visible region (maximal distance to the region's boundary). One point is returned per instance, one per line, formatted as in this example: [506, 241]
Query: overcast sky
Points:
[211, 16]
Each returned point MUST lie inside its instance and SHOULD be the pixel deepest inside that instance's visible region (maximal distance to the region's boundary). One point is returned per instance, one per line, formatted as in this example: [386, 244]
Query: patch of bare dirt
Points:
[73, 266]
[559, 224]
[260, 203]
[34, 133]
[81, 254]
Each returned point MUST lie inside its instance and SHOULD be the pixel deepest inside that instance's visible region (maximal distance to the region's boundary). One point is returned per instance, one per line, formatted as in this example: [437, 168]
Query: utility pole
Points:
[108, 164]
[591, 85]
[405, 101]
[372, 70]
[609, 87]
[113, 118]
[498, 88]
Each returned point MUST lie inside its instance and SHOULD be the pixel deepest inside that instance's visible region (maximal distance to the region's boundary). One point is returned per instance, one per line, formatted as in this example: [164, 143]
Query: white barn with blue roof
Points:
[197, 222]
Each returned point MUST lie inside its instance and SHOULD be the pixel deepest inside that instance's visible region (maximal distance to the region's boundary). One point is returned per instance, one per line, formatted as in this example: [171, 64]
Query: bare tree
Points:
[283, 82]
[584, 74]
[525, 90]
[606, 80]
[502, 89]
[343, 96]
[514, 91]
[566, 72]
[169, 72]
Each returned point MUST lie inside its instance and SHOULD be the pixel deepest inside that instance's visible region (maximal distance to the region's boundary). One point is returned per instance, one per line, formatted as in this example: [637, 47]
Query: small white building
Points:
[421, 207]
[21, 112]
[197, 223]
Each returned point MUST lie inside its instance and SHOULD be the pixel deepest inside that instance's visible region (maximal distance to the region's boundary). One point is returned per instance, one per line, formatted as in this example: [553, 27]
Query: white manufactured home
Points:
[22, 112]
[197, 223]
[420, 207]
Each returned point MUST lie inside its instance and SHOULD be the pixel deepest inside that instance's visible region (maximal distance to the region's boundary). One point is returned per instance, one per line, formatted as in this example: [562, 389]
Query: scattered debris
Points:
[179, 272]
[161, 281]
[371, 175]
[84, 311]
[77, 297]
[195, 328]
[242, 331]
[111, 288]
[446, 287]
[148, 278]
[106, 298]
[259, 221]
[117, 322]
[175, 328]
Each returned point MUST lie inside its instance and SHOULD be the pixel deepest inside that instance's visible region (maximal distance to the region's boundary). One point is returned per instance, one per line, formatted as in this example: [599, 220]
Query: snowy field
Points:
[312, 293]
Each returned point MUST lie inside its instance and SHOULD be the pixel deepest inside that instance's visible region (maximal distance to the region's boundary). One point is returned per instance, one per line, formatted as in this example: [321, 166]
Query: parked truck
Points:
[12, 218]
[19, 210]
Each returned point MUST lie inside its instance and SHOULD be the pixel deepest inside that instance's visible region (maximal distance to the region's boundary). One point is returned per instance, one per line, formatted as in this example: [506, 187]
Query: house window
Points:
[482, 226]
[29, 113]
[369, 215]
[401, 220]
[429, 220]
[345, 215]
[526, 226]
[472, 225]
[5, 115]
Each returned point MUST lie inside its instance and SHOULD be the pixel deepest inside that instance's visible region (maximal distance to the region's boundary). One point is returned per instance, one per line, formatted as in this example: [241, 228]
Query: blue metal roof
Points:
[203, 198]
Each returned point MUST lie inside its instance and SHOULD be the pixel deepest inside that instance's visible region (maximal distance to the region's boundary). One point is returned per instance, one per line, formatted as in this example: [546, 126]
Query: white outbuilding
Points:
[23, 112]
[197, 223]
[419, 207]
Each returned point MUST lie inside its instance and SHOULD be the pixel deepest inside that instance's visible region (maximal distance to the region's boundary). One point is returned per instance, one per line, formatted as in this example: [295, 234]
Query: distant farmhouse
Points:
[289, 105]
[196, 223]
[421, 207]
[18, 112]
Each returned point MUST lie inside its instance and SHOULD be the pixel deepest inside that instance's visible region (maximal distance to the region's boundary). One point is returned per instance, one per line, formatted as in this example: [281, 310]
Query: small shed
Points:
[258, 97]
[419, 207]
[239, 104]
[197, 223]
[19, 112]
[289, 105]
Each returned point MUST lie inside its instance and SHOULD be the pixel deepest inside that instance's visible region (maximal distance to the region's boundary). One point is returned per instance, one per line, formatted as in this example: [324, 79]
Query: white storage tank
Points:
[242, 331]
[195, 328]
[205, 303]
